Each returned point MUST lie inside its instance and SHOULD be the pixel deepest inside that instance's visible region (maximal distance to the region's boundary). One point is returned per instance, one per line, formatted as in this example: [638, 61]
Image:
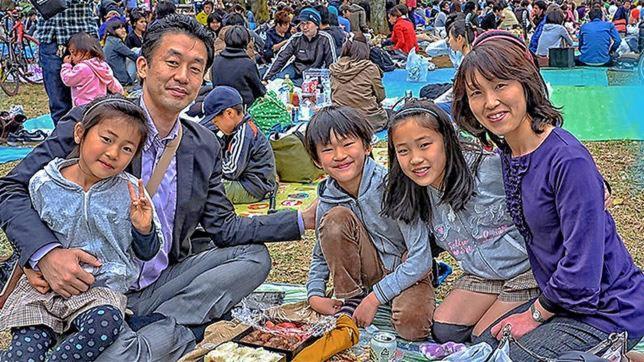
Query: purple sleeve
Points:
[575, 283]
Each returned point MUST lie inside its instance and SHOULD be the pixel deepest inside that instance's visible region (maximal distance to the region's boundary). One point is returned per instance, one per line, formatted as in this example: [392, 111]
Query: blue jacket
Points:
[391, 238]
[534, 41]
[115, 54]
[595, 42]
[201, 198]
[272, 38]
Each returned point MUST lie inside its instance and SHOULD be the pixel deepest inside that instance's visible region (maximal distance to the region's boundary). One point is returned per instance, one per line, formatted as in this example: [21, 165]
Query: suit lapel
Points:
[185, 163]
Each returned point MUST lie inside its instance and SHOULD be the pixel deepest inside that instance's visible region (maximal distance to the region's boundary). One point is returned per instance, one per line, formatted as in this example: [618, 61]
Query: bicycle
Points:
[18, 55]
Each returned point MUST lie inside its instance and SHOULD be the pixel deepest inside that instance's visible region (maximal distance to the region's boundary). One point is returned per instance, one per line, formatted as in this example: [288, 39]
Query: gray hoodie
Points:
[96, 221]
[481, 237]
[391, 238]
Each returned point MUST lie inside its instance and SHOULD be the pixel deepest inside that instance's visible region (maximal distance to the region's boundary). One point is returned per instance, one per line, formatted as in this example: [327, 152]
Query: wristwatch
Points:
[536, 315]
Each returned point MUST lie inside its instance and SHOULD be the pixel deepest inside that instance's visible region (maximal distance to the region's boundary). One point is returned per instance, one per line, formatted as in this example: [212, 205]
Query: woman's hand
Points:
[520, 325]
[36, 279]
[140, 209]
[326, 306]
[366, 310]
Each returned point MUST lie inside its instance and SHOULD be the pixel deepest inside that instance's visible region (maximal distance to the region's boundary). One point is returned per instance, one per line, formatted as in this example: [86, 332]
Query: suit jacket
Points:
[201, 198]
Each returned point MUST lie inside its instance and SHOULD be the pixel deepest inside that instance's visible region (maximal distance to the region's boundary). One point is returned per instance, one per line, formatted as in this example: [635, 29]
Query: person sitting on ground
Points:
[336, 32]
[620, 19]
[277, 36]
[85, 71]
[215, 20]
[372, 259]
[233, 68]
[190, 283]
[435, 178]
[508, 19]
[357, 17]
[310, 47]
[116, 52]
[139, 23]
[357, 82]
[441, 17]
[598, 39]
[91, 204]
[590, 286]
[492, 19]
[343, 22]
[229, 21]
[202, 16]
[403, 36]
[248, 163]
[539, 15]
[554, 33]
[113, 13]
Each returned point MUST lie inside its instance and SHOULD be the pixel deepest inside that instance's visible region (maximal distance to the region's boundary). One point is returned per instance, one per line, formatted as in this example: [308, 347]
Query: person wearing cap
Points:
[310, 47]
[233, 67]
[248, 163]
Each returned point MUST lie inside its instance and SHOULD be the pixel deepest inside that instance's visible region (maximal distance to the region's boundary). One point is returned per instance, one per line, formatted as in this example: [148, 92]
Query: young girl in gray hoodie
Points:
[458, 191]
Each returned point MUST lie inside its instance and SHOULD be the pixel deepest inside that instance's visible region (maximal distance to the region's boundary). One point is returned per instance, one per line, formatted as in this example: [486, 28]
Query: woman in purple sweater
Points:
[590, 285]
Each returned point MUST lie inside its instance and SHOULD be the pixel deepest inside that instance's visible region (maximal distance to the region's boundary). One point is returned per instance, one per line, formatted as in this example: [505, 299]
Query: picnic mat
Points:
[296, 195]
[297, 293]
[8, 153]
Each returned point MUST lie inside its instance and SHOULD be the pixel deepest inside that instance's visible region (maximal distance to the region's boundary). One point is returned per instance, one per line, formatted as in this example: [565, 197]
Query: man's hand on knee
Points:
[63, 271]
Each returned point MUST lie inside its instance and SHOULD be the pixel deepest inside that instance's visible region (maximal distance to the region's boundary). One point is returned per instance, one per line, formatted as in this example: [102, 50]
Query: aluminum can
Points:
[383, 347]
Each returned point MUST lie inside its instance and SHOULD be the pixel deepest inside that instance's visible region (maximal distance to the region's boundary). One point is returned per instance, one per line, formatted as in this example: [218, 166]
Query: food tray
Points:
[289, 354]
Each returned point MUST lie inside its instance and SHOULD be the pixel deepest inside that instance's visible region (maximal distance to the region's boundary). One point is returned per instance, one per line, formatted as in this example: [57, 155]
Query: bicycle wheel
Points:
[9, 80]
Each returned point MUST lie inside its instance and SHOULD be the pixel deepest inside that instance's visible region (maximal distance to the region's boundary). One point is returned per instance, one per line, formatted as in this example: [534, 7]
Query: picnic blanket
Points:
[44, 123]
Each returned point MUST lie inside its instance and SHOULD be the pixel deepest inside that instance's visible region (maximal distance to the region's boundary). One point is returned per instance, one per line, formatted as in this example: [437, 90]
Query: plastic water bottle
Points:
[288, 83]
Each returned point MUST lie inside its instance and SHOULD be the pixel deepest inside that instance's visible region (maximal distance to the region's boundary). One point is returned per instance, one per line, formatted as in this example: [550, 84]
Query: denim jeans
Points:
[290, 70]
[551, 339]
[60, 97]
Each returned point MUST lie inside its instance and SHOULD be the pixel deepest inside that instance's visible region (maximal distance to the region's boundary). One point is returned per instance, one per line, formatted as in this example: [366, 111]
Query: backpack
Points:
[382, 59]
[292, 162]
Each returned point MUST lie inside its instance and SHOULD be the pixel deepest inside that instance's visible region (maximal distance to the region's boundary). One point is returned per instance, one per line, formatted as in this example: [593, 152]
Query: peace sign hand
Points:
[140, 209]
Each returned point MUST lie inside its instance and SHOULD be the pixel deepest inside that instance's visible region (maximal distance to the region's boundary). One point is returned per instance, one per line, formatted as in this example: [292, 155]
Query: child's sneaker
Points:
[24, 137]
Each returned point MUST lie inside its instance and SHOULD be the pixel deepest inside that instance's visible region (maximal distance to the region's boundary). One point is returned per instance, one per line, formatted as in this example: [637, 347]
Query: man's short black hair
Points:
[342, 121]
[595, 13]
[237, 37]
[163, 9]
[176, 24]
[324, 14]
[234, 19]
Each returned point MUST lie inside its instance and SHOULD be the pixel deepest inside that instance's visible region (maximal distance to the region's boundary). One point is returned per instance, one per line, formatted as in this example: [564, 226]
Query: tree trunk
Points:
[378, 17]
[260, 9]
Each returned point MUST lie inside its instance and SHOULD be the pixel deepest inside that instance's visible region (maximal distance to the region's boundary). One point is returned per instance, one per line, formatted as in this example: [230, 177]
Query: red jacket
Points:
[404, 36]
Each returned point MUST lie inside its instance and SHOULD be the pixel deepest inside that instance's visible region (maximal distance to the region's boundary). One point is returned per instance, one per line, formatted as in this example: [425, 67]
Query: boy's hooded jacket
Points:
[391, 238]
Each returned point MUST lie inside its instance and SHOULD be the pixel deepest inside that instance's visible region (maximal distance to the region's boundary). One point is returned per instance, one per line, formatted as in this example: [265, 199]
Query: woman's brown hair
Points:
[500, 55]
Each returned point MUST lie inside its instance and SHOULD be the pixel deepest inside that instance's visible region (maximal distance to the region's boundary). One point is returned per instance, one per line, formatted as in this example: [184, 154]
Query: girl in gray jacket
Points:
[458, 191]
[93, 208]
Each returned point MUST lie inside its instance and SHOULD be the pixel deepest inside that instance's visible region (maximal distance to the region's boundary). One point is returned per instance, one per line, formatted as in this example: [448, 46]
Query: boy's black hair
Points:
[342, 121]
[163, 9]
[405, 200]
[595, 13]
[177, 24]
[234, 19]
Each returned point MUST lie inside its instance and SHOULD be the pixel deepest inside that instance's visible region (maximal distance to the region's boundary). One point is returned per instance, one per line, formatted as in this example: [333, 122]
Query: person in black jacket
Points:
[233, 67]
[311, 48]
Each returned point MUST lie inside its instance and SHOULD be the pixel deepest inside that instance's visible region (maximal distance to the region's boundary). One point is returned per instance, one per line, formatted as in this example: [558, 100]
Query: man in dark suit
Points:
[188, 284]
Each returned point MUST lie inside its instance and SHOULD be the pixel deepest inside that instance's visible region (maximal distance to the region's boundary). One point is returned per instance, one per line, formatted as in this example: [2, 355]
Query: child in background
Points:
[248, 161]
[372, 259]
[92, 207]
[116, 52]
[457, 190]
[85, 71]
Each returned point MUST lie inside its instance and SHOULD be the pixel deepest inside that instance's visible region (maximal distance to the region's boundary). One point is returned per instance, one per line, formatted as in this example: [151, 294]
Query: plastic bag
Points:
[417, 67]
[482, 352]
[291, 319]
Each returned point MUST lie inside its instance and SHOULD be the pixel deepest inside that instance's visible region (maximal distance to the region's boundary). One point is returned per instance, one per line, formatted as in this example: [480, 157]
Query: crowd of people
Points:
[128, 205]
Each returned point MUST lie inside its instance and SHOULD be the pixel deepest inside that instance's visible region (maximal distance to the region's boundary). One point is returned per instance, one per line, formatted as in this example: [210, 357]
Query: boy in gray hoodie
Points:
[373, 259]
